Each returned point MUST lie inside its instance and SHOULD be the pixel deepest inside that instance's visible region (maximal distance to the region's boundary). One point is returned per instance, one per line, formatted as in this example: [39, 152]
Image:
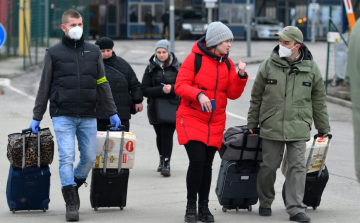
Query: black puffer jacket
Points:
[125, 87]
[151, 84]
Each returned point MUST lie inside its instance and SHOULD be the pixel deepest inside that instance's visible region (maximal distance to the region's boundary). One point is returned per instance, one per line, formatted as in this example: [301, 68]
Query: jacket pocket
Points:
[182, 123]
[306, 118]
[267, 115]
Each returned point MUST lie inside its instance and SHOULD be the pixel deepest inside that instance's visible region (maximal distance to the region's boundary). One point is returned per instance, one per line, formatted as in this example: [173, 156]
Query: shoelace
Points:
[190, 209]
[205, 209]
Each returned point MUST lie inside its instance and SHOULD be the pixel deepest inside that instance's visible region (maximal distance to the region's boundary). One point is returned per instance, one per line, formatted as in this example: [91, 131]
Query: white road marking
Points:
[235, 116]
[20, 92]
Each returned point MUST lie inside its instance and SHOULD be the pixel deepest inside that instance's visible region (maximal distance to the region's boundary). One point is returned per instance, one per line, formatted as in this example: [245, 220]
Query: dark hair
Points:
[71, 13]
[167, 62]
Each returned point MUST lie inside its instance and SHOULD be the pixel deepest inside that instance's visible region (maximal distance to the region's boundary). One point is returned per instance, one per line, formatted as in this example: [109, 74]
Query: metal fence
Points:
[33, 25]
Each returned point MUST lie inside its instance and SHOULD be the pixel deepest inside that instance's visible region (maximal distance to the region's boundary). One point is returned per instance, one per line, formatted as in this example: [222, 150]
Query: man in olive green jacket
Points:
[288, 93]
[353, 73]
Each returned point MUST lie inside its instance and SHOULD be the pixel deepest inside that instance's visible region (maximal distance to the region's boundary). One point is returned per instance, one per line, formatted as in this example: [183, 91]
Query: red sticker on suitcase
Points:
[126, 158]
[320, 140]
[129, 146]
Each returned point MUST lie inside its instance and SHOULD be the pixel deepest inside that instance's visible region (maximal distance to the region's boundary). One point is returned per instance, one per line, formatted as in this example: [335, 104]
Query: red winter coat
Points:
[217, 82]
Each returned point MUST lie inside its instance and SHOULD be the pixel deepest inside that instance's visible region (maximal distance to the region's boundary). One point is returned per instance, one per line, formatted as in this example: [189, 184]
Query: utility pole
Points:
[313, 7]
[172, 25]
[210, 4]
[248, 28]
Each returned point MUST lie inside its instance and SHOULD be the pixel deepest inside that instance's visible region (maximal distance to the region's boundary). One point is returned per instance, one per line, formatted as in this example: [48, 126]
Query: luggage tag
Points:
[213, 105]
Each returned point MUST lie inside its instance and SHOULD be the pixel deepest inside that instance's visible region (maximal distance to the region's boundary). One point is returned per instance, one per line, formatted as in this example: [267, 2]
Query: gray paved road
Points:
[152, 198]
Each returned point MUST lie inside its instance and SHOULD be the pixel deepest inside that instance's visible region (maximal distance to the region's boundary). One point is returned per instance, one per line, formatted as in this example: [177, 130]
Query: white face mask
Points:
[285, 52]
[75, 33]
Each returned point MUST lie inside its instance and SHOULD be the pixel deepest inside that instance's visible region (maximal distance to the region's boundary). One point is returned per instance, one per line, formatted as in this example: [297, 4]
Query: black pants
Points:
[102, 123]
[198, 178]
[164, 138]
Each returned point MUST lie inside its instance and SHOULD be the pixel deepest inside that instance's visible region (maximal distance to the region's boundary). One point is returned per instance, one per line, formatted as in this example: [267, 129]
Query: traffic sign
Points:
[2, 35]
[314, 6]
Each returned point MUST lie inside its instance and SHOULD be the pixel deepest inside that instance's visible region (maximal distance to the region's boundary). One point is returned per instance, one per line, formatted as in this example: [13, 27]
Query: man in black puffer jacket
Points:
[125, 87]
[73, 74]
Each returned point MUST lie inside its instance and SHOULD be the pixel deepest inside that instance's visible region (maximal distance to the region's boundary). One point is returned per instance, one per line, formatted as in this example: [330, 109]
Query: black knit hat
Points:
[105, 43]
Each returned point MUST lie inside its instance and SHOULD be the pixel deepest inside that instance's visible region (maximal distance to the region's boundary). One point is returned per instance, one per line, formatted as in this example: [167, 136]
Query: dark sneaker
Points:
[300, 217]
[190, 213]
[204, 212]
[161, 164]
[166, 168]
[264, 211]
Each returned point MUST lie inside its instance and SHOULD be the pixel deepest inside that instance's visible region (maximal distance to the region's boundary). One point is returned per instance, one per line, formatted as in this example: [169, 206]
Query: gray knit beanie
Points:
[217, 33]
[163, 44]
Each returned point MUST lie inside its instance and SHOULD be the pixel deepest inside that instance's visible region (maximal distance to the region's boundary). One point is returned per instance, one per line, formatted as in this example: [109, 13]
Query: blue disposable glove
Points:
[35, 126]
[115, 120]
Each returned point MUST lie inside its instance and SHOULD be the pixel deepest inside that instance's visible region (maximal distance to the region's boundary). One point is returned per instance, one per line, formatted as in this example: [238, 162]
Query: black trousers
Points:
[164, 138]
[102, 123]
[198, 178]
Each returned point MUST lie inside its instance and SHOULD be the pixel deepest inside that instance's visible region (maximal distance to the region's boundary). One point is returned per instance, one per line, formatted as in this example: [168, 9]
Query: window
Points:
[159, 11]
[145, 9]
[224, 12]
[134, 13]
[234, 13]
[237, 14]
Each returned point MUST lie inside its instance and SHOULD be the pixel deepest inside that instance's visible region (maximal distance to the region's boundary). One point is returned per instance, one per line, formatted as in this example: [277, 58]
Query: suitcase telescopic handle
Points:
[122, 129]
[29, 130]
[325, 153]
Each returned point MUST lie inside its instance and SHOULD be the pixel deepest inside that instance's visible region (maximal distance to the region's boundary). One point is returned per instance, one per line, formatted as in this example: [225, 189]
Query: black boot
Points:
[166, 168]
[79, 182]
[72, 207]
[204, 212]
[190, 214]
[161, 164]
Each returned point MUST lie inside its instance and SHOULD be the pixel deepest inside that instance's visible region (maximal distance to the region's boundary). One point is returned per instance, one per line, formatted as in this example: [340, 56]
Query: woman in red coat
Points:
[202, 132]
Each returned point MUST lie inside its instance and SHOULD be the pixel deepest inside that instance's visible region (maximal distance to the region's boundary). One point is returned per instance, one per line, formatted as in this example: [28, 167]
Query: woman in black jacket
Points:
[158, 82]
[125, 87]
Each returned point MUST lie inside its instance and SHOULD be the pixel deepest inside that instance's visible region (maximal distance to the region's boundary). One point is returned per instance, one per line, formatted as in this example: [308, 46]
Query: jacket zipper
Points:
[78, 98]
[212, 111]
[285, 105]
[182, 123]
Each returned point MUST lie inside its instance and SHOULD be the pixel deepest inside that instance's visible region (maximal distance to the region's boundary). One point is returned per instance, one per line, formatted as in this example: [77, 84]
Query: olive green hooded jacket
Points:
[353, 73]
[286, 97]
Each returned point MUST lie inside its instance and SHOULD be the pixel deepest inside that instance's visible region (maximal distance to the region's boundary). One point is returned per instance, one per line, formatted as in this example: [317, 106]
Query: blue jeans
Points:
[66, 128]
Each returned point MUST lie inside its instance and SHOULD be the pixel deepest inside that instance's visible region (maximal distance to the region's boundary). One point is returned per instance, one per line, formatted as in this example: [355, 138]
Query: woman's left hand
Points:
[139, 107]
[167, 88]
[241, 67]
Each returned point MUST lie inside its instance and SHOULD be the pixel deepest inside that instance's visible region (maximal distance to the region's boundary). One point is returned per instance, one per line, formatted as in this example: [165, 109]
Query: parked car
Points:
[190, 24]
[265, 28]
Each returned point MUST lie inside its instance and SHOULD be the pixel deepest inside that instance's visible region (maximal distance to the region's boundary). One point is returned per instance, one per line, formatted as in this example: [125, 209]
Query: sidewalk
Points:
[137, 52]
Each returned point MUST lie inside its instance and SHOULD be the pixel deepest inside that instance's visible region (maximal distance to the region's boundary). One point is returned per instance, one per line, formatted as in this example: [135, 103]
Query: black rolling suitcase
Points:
[236, 184]
[316, 181]
[109, 186]
[28, 188]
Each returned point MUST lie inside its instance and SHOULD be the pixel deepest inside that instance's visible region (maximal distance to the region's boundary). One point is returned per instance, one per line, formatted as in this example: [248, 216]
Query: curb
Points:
[339, 101]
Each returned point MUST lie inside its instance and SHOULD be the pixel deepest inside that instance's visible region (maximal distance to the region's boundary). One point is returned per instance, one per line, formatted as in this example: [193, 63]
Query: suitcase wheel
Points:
[44, 209]
[314, 208]
[121, 208]
[13, 210]
[237, 209]
[95, 208]
[224, 209]
[249, 208]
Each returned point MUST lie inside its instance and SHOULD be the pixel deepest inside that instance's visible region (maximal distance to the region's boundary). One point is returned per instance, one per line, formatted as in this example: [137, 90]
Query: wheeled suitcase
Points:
[236, 184]
[28, 188]
[109, 186]
[315, 181]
